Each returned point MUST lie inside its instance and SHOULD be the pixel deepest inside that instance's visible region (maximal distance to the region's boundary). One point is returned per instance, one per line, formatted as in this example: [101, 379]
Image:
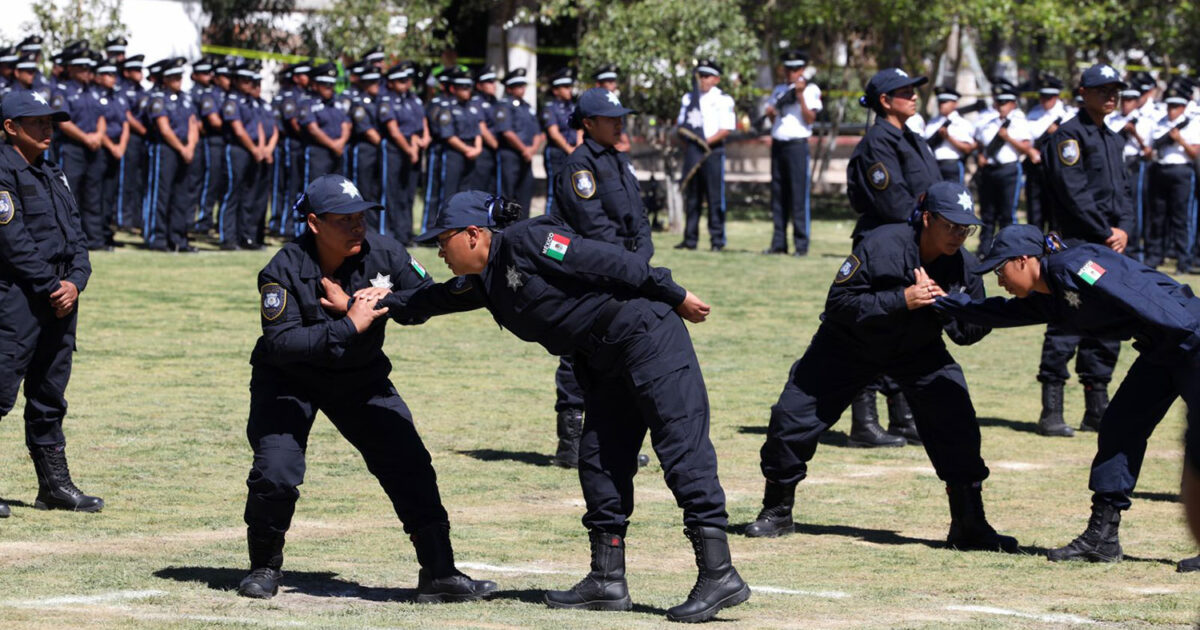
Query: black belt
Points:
[793, 141]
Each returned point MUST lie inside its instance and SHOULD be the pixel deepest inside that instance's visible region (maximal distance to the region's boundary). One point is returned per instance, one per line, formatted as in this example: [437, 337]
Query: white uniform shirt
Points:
[1142, 125]
[716, 108]
[1041, 118]
[1174, 153]
[916, 124]
[789, 120]
[989, 124]
[959, 128]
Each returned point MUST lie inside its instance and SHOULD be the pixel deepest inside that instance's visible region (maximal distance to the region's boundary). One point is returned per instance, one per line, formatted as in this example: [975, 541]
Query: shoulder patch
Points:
[156, 106]
[417, 267]
[7, 210]
[584, 184]
[274, 300]
[1090, 272]
[556, 246]
[444, 117]
[878, 176]
[1068, 152]
[359, 113]
[848, 269]
[501, 113]
[230, 108]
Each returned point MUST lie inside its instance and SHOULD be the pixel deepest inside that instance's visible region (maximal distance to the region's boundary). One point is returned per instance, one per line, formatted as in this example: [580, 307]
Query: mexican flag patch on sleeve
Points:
[556, 246]
[1090, 272]
[417, 266]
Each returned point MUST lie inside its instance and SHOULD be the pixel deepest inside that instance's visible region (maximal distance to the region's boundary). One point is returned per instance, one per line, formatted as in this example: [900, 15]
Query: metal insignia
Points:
[1068, 152]
[7, 210]
[846, 271]
[584, 184]
[381, 281]
[878, 176]
[274, 301]
[513, 277]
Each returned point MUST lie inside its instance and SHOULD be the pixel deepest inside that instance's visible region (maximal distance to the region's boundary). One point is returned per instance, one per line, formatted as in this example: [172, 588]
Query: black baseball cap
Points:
[332, 194]
[1018, 239]
[473, 207]
[27, 103]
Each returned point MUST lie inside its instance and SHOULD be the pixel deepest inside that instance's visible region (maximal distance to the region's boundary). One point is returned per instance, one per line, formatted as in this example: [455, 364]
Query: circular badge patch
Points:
[1068, 152]
[878, 176]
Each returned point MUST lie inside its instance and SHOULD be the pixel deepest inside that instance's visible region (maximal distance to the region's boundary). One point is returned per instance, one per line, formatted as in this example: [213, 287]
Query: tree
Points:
[409, 28]
[60, 22]
[253, 24]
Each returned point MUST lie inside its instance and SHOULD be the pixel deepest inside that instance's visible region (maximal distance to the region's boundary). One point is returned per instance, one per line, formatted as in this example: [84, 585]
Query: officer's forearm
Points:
[514, 140]
[135, 125]
[243, 138]
[557, 139]
[214, 121]
[168, 135]
[71, 131]
[373, 137]
[457, 144]
[393, 129]
[487, 136]
[717, 138]
[320, 137]
[101, 128]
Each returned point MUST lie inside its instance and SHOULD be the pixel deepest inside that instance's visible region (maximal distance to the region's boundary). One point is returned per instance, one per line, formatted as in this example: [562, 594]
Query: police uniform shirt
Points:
[789, 120]
[866, 308]
[41, 238]
[115, 108]
[463, 121]
[136, 95]
[327, 115]
[988, 126]
[240, 107]
[601, 198]
[548, 285]
[958, 127]
[1097, 292]
[308, 343]
[268, 117]
[208, 102]
[487, 109]
[83, 106]
[364, 115]
[521, 120]
[916, 123]
[715, 111]
[1090, 182]
[889, 168]
[558, 112]
[1040, 119]
[413, 120]
[290, 106]
[1173, 153]
[177, 107]
[1142, 125]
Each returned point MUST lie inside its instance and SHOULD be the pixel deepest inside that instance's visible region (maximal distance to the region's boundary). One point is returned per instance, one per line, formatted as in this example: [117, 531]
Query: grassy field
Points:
[158, 409]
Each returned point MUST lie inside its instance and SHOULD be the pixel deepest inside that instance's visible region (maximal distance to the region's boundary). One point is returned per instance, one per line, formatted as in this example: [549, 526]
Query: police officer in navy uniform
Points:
[462, 144]
[322, 349]
[599, 198]
[705, 120]
[115, 144]
[200, 170]
[295, 102]
[623, 321]
[133, 163]
[890, 168]
[327, 127]
[793, 108]
[8, 59]
[43, 269]
[365, 160]
[114, 48]
[520, 140]
[243, 158]
[404, 132]
[1093, 290]
[606, 77]
[267, 179]
[1093, 203]
[487, 166]
[82, 138]
[561, 140]
[877, 320]
[439, 120]
[175, 134]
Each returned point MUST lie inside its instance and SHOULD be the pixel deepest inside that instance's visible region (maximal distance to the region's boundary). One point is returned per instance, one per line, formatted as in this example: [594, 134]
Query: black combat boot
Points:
[1099, 542]
[969, 529]
[438, 580]
[604, 587]
[900, 419]
[1051, 421]
[266, 560]
[1187, 565]
[1095, 398]
[775, 519]
[56, 491]
[718, 584]
[865, 431]
[570, 428]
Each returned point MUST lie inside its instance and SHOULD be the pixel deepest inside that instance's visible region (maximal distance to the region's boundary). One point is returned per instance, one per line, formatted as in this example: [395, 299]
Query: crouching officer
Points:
[600, 199]
[322, 349]
[876, 322]
[617, 316]
[43, 268]
[1091, 289]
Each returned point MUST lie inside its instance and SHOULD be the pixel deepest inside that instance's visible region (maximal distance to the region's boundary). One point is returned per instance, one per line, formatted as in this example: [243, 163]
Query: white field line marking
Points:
[1150, 590]
[1046, 617]
[1017, 466]
[479, 566]
[788, 591]
[99, 598]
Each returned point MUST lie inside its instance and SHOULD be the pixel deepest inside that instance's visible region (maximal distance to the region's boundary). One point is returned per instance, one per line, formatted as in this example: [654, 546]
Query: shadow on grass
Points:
[1166, 497]
[524, 457]
[536, 596]
[877, 536]
[830, 438]
[316, 583]
[15, 503]
[1015, 425]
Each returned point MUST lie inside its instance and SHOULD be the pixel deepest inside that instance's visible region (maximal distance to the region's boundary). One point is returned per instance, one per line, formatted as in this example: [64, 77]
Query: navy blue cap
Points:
[887, 81]
[952, 202]
[598, 101]
[1018, 239]
[947, 93]
[25, 103]
[332, 194]
[324, 73]
[1100, 74]
[795, 59]
[1004, 91]
[515, 77]
[473, 207]
[562, 77]
[606, 72]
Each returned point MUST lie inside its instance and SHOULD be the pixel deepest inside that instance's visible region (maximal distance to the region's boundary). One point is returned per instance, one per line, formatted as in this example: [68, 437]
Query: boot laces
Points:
[774, 512]
[59, 473]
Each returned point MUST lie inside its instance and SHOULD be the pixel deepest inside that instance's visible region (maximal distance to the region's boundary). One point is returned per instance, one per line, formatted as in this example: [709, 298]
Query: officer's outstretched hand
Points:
[693, 308]
[63, 299]
[923, 291]
[363, 313]
[335, 299]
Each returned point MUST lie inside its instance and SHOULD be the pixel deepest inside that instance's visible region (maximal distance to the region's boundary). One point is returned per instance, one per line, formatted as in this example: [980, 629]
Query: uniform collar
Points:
[596, 147]
[891, 130]
[310, 266]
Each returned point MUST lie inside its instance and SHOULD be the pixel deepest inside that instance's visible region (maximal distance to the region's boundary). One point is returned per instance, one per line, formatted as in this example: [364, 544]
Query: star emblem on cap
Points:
[349, 190]
[900, 72]
[37, 96]
[514, 278]
[612, 98]
[1108, 73]
[1072, 298]
[964, 200]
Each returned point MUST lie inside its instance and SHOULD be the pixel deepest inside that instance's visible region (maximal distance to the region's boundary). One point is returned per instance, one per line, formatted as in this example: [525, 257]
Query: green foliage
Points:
[410, 29]
[241, 23]
[60, 22]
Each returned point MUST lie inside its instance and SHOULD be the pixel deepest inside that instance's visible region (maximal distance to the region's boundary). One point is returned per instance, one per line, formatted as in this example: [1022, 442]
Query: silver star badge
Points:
[37, 96]
[1072, 298]
[1107, 72]
[351, 191]
[964, 200]
[901, 72]
[514, 278]
[612, 98]
[381, 281]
